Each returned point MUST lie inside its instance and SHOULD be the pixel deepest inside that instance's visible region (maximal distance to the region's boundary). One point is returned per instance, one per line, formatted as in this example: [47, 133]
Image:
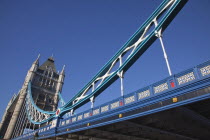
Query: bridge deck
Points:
[174, 108]
[181, 123]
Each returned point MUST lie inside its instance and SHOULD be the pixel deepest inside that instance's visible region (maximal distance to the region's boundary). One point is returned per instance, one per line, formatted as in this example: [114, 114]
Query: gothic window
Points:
[40, 79]
[41, 97]
[50, 100]
[44, 80]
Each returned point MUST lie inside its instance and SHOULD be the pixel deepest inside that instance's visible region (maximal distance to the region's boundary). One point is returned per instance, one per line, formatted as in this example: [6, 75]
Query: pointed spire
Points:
[38, 56]
[63, 70]
[36, 62]
[51, 58]
[63, 67]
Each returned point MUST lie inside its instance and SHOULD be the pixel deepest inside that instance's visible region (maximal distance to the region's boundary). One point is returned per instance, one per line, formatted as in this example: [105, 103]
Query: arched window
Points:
[50, 100]
[41, 97]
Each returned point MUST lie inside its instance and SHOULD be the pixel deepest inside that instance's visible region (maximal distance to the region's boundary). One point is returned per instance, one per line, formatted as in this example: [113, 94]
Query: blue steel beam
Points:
[142, 47]
[164, 14]
[192, 91]
[189, 86]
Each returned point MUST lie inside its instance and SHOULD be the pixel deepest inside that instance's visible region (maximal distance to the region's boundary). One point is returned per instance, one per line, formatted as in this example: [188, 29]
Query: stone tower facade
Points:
[46, 84]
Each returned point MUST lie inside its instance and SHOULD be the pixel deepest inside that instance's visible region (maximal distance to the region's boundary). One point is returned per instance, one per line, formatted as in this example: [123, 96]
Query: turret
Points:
[20, 101]
[62, 75]
[35, 65]
[45, 85]
[31, 72]
[60, 83]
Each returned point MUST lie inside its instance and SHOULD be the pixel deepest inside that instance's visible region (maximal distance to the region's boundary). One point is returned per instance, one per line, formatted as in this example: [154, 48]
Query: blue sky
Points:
[84, 35]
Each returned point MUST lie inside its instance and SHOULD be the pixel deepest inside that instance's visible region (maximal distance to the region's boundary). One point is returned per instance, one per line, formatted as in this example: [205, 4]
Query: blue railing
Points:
[140, 96]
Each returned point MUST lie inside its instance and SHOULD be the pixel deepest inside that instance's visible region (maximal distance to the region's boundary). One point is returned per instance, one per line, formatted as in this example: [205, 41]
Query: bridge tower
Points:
[46, 84]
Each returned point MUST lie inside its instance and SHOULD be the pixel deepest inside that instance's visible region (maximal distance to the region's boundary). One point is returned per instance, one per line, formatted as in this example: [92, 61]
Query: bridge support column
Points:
[121, 84]
[120, 74]
[72, 112]
[92, 100]
[165, 56]
[159, 35]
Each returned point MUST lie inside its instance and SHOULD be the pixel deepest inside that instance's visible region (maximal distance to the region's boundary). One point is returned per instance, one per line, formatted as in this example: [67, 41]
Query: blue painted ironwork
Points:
[61, 100]
[34, 113]
[81, 120]
[173, 7]
[137, 44]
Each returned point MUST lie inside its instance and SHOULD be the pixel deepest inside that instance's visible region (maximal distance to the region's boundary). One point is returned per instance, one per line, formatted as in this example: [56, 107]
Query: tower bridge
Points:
[46, 84]
[173, 108]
